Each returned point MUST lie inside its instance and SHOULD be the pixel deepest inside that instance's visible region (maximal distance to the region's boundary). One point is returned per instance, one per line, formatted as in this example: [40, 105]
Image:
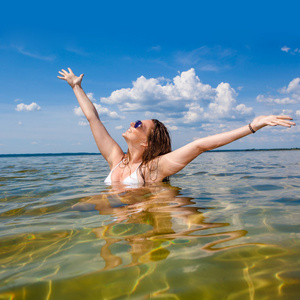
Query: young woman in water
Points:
[149, 157]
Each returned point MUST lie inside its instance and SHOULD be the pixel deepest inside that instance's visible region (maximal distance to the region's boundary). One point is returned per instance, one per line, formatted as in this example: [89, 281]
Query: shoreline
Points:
[88, 153]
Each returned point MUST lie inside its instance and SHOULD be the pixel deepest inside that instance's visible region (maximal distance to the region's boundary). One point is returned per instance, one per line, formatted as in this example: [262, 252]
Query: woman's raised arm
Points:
[174, 161]
[108, 147]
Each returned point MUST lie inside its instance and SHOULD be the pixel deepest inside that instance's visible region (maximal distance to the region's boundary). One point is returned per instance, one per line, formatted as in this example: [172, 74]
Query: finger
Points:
[272, 123]
[284, 117]
[61, 77]
[70, 71]
[290, 123]
[285, 124]
[61, 73]
[64, 71]
[81, 76]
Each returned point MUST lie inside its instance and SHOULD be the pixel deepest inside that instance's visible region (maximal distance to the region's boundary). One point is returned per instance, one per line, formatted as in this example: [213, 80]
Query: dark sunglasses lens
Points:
[137, 124]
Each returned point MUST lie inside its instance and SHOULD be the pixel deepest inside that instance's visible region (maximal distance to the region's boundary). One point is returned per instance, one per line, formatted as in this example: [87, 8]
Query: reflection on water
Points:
[151, 219]
[224, 229]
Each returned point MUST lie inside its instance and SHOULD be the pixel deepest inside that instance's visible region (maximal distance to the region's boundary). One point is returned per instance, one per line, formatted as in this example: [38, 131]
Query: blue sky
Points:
[200, 67]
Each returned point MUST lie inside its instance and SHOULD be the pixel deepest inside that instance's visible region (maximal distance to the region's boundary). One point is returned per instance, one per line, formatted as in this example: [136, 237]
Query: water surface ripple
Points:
[226, 227]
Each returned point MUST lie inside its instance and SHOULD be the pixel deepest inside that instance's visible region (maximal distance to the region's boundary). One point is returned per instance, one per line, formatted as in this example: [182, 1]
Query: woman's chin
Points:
[126, 133]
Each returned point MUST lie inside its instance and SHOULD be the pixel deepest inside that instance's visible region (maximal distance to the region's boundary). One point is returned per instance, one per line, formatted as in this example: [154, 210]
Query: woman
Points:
[149, 157]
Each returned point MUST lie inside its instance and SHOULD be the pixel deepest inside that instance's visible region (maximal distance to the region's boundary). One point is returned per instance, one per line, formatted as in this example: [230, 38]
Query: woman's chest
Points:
[125, 173]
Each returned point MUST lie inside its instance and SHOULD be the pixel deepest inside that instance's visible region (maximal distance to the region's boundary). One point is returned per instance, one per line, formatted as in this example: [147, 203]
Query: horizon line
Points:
[98, 153]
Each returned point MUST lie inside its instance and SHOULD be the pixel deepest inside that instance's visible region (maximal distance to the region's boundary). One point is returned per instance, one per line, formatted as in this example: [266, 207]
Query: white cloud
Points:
[185, 98]
[78, 112]
[297, 112]
[291, 130]
[243, 109]
[19, 123]
[28, 107]
[91, 96]
[119, 127]
[194, 113]
[293, 87]
[224, 100]
[285, 49]
[291, 92]
[83, 123]
[270, 99]
[186, 86]
[222, 106]
[151, 115]
[131, 107]
[33, 143]
[286, 112]
[173, 128]
[105, 111]
[101, 111]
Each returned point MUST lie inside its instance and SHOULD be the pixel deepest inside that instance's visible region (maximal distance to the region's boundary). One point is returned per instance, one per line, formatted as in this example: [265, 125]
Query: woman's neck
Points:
[134, 157]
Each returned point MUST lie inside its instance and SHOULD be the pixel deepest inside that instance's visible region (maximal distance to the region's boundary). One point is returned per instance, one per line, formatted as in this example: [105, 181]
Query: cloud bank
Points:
[291, 94]
[287, 50]
[185, 98]
[28, 107]
[102, 111]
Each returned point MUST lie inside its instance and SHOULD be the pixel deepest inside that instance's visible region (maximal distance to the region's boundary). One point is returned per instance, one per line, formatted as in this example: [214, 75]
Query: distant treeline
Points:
[48, 154]
[87, 153]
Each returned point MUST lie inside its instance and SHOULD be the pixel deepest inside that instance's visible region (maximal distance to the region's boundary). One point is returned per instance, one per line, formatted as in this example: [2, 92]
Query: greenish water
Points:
[226, 227]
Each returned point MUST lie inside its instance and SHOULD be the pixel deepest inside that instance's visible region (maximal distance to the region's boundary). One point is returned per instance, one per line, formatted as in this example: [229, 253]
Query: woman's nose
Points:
[132, 124]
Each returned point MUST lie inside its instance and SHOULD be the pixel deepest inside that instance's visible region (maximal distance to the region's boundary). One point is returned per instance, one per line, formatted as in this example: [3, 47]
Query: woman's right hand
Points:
[70, 77]
[262, 121]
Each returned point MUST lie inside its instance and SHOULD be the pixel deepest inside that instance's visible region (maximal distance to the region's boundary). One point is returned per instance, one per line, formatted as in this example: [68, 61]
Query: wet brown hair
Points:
[159, 143]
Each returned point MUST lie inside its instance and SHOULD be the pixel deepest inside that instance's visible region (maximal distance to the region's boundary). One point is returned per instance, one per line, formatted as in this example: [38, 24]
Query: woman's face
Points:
[139, 134]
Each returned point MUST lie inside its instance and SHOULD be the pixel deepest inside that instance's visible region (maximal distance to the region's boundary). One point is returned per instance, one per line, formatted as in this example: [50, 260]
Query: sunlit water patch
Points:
[226, 227]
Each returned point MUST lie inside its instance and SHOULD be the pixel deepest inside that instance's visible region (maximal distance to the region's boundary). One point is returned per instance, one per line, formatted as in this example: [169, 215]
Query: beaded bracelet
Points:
[251, 129]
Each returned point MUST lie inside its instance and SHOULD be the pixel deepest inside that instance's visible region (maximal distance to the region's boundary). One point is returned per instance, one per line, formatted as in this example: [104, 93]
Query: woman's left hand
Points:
[70, 77]
[262, 121]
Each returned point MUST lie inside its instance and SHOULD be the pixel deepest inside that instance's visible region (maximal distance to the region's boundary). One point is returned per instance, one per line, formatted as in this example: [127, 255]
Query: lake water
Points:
[226, 227]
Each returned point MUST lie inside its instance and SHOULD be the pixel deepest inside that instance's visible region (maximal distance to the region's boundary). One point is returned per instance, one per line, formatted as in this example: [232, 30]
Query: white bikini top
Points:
[131, 179]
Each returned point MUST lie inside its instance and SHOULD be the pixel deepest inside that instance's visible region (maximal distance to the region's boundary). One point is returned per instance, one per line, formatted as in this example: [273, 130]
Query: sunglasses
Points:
[137, 124]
